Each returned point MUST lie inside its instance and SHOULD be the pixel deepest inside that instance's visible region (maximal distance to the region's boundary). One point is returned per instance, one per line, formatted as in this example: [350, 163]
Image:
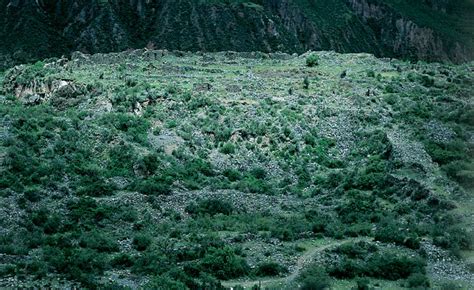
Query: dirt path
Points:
[301, 263]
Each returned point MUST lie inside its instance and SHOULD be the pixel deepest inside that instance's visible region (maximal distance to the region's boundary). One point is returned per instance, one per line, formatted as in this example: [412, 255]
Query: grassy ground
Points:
[145, 169]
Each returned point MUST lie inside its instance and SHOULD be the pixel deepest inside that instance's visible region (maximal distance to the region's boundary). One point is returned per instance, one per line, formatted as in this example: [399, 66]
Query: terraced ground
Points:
[170, 169]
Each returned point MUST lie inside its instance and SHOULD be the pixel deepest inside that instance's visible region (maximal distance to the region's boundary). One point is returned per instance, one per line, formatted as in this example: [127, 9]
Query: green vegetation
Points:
[312, 60]
[200, 171]
[314, 277]
[434, 29]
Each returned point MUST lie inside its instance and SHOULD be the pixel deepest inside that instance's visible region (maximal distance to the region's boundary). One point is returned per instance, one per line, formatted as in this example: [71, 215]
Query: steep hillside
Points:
[178, 170]
[429, 30]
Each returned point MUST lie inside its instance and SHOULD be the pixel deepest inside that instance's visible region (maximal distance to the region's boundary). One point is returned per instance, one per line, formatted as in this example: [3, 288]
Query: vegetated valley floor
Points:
[174, 170]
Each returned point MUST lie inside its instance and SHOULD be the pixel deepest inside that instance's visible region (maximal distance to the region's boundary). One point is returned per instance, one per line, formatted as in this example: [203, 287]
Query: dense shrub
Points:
[394, 267]
[210, 207]
[85, 212]
[461, 171]
[80, 264]
[134, 127]
[446, 153]
[151, 262]
[153, 186]
[269, 269]
[356, 250]
[418, 280]
[314, 278]
[95, 187]
[358, 207]
[224, 264]
[363, 259]
[452, 237]
[254, 185]
[165, 283]
[312, 60]
[142, 242]
[227, 148]
[289, 228]
[148, 164]
[389, 231]
[98, 241]
[306, 83]
[362, 283]
[122, 261]
[232, 174]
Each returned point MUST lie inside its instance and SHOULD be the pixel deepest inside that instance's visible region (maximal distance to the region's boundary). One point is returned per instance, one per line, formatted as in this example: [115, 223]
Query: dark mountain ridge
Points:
[433, 30]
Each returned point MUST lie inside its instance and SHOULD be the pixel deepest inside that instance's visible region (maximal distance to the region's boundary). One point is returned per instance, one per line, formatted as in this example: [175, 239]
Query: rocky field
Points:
[155, 168]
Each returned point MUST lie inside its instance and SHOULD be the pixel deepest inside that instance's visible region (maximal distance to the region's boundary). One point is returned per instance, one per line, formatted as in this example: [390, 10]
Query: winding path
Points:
[301, 263]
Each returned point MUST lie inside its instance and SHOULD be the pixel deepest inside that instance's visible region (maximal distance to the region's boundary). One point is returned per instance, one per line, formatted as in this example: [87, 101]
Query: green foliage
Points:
[227, 148]
[269, 269]
[363, 259]
[210, 207]
[77, 264]
[363, 284]
[324, 167]
[98, 241]
[151, 262]
[165, 283]
[418, 280]
[389, 231]
[141, 242]
[135, 128]
[312, 60]
[314, 277]
[450, 236]
[454, 158]
[122, 261]
[306, 83]
[359, 207]
[154, 186]
[224, 263]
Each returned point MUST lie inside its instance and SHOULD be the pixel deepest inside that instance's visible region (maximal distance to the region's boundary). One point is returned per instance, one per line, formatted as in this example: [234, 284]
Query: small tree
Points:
[312, 60]
[306, 83]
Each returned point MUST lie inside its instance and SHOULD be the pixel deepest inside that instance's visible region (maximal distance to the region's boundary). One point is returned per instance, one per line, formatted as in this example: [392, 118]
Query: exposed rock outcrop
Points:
[32, 29]
[404, 37]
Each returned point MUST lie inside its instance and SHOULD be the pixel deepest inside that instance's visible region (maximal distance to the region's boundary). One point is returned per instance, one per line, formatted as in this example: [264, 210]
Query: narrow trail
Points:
[301, 263]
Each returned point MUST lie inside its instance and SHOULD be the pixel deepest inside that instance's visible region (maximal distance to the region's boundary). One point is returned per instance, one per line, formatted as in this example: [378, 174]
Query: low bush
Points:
[418, 280]
[314, 277]
[98, 241]
[151, 262]
[306, 83]
[142, 242]
[312, 60]
[363, 259]
[227, 148]
[122, 261]
[362, 283]
[232, 174]
[269, 269]
[210, 207]
[164, 283]
[223, 263]
[389, 231]
[461, 171]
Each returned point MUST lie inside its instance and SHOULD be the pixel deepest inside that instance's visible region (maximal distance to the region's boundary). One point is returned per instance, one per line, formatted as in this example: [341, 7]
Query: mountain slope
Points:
[432, 30]
[151, 168]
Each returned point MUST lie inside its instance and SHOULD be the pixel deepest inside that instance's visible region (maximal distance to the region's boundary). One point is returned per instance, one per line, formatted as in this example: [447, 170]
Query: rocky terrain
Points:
[156, 168]
[428, 30]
